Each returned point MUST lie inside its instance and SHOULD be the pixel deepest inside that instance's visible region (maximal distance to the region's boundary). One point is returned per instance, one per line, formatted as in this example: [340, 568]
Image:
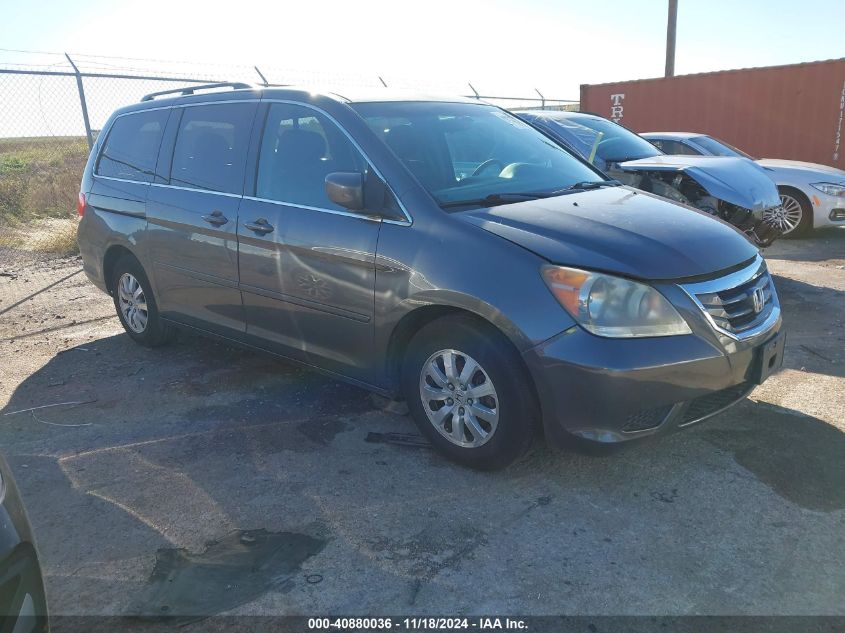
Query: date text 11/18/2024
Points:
[417, 624]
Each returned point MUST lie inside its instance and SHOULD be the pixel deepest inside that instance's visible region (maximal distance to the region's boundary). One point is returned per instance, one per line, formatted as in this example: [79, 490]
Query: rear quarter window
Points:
[131, 148]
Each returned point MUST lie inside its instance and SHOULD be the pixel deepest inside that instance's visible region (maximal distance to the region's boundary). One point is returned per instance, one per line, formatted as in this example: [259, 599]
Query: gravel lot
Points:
[199, 478]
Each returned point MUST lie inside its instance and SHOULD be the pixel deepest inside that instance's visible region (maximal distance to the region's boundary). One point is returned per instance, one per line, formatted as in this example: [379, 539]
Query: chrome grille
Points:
[735, 309]
[740, 304]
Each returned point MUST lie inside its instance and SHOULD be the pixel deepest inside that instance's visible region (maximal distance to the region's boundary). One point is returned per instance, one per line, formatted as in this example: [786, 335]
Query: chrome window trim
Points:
[754, 270]
[196, 189]
[139, 111]
[255, 199]
[134, 182]
[310, 208]
[408, 219]
[220, 102]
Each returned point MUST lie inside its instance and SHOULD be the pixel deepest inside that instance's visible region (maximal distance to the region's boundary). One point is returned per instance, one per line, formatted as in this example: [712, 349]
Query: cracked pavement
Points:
[177, 449]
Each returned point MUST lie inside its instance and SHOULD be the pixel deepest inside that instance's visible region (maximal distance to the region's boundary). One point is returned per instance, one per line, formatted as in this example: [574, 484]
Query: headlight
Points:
[830, 189]
[613, 306]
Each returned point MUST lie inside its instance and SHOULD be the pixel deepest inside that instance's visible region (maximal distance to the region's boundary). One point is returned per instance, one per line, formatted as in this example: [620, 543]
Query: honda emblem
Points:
[758, 299]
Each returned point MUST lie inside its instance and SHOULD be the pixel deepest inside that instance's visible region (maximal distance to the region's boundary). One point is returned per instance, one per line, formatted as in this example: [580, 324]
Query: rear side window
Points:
[300, 147]
[131, 148]
[211, 147]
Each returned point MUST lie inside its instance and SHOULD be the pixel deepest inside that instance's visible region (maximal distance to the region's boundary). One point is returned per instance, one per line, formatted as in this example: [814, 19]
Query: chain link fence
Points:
[52, 112]
[46, 126]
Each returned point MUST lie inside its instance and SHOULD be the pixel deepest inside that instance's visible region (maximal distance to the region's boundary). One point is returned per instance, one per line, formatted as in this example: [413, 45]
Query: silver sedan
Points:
[812, 195]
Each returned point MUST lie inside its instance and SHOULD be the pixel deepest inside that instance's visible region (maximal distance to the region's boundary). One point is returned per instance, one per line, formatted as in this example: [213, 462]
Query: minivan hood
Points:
[618, 230]
[736, 180]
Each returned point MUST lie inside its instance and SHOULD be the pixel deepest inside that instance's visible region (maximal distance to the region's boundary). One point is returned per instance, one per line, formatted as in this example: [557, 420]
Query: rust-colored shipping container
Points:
[795, 112]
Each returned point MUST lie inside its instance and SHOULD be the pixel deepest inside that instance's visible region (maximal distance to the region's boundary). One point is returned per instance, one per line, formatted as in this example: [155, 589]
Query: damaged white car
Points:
[734, 189]
[812, 195]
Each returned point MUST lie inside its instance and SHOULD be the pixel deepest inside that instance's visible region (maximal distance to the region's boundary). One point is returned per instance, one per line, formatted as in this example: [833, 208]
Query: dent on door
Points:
[194, 215]
[308, 285]
[193, 247]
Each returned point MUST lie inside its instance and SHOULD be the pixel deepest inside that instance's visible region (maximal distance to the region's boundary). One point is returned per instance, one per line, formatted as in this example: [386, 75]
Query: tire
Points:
[792, 200]
[477, 439]
[143, 324]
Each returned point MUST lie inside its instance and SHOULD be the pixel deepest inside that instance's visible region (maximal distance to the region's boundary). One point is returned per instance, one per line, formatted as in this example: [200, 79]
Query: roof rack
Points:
[235, 85]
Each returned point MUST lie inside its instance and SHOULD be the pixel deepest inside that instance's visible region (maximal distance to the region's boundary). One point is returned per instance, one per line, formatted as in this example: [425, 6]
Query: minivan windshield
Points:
[474, 154]
[613, 143]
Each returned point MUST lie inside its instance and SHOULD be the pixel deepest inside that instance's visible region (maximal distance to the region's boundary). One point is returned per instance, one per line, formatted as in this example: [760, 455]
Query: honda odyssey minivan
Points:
[438, 250]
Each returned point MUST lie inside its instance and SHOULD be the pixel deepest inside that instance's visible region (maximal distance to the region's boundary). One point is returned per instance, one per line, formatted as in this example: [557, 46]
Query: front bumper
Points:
[827, 210]
[614, 390]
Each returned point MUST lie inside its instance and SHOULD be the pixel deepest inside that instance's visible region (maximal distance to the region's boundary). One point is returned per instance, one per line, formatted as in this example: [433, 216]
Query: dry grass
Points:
[10, 238]
[39, 183]
[58, 239]
[39, 177]
[55, 236]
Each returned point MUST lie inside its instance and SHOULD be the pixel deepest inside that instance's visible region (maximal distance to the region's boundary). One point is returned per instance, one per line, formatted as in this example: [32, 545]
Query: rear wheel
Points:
[468, 393]
[135, 304]
[795, 216]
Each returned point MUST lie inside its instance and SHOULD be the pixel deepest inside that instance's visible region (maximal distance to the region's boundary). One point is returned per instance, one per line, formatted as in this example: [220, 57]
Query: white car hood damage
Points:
[735, 180]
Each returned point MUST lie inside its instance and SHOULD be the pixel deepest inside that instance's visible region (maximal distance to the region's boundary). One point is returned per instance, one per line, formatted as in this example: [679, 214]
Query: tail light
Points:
[80, 204]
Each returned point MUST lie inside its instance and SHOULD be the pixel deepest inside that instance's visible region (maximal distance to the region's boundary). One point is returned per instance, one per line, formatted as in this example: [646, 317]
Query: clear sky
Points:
[500, 46]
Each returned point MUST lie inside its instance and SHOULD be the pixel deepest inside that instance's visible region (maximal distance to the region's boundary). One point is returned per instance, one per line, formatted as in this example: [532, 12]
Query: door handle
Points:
[260, 225]
[216, 218]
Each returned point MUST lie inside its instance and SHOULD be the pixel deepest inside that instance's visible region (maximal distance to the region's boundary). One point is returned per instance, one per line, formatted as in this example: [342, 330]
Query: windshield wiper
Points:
[585, 185]
[509, 197]
[499, 198]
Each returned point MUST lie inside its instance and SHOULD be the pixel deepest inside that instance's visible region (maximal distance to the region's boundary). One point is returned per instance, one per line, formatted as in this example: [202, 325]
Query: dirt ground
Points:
[198, 479]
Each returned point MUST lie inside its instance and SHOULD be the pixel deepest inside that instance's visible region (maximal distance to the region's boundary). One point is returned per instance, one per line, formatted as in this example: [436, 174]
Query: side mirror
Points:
[346, 188]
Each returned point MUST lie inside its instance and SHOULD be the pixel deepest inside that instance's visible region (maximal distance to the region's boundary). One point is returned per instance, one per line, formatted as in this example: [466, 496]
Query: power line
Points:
[18, 50]
[119, 57]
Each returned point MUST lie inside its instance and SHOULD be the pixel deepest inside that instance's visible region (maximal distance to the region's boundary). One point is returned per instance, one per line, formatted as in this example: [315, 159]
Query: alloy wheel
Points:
[459, 398]
[787, 216]
[133, 303]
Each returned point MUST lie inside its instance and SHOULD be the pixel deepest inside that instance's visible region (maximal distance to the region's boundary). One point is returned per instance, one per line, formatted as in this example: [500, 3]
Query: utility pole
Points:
[671, 25]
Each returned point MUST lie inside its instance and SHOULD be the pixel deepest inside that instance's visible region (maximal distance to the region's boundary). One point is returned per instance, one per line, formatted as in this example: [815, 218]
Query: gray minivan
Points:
[438, 250]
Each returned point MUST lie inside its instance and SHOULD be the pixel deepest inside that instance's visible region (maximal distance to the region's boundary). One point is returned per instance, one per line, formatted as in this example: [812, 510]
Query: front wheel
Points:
[468, 393]
[794, 217]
